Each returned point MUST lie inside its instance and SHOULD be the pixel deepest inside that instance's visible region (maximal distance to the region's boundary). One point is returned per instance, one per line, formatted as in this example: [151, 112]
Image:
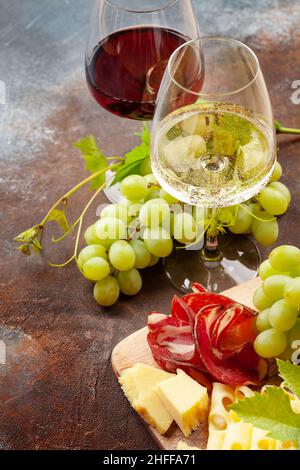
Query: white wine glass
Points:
[213, 146]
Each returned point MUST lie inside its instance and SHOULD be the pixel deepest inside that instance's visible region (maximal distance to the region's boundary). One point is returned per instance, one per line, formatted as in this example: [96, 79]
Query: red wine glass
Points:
[130, 42]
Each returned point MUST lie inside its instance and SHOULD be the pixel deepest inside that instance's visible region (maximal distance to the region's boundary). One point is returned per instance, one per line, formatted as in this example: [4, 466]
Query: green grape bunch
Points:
[148, 223]
[278, 303]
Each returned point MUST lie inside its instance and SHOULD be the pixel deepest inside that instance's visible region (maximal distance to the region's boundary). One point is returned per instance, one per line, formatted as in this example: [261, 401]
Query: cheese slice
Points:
[215, 439]
[184, 446]
[222, 396]
[261, 441]
[137, 384]
[238, 436]
[286, 445]
[185, 399]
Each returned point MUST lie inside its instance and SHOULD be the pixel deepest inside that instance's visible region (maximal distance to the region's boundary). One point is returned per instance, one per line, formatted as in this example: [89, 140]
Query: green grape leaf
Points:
[24, 249]
[290, 373]
[271, 411]
[126, 170]
[27, 236]
[59, 216]
[231, 129]
[226, 216]
[94, 158]
[132, 162]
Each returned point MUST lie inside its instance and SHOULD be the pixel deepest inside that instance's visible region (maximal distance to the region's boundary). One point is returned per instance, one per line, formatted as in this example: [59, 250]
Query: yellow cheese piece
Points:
[287, 445]
[185, 399]
[243, 392]
[261, 441]
[137, 384]
[183, 446]
[221, 397]
[238, 436]
[138, 380]
[215, 440]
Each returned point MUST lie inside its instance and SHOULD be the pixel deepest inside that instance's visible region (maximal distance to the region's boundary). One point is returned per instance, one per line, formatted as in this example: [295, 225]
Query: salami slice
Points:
[198, 288]
[228, 371]
[173, 341]
[210, 335]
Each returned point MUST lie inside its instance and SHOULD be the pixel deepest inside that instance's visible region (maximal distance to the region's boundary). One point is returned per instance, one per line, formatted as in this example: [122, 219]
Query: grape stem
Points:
[33, 236]
[80, 220]
[280, 129]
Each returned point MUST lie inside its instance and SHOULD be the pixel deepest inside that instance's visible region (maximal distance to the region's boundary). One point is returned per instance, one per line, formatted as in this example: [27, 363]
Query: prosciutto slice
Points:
[207, 335]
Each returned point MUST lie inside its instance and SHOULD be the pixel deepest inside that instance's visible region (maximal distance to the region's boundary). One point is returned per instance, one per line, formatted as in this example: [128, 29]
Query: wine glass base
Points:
[238, 262]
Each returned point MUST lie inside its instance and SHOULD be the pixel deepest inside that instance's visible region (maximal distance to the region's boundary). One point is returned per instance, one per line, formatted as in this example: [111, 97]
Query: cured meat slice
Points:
[197, 287]
[229, 371]
[173, 341]
[210, 335]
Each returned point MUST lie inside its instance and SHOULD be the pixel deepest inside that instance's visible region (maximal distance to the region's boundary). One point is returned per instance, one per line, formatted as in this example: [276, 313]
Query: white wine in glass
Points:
[213, 146]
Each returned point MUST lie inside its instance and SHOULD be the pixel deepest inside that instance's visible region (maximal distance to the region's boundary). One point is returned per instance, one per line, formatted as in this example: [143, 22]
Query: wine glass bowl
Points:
[219, 150]
[213, 145]
[128, 49]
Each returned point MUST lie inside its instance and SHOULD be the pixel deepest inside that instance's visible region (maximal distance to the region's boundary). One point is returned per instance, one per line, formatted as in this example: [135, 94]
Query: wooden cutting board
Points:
[135, 349]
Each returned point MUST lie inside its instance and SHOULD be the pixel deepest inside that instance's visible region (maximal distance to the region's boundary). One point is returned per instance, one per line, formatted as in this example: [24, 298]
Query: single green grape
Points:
[154, 260]
[96, 269]
[158, 242]
[274, 286]
[283, 189]
[145, 167]
[134, 187]
[262, 320]
[285, 257]
[282, 316]
[255, 208]
[121, 255]
[266, 230]
[265, 270]
[91, 251]
[295, 272]
[152, 181]
[167, 197]
[110, 229]
[142, 255]
[134, 209]
[130, 281]
[292, 292]
[107, 291]
[260, 300]
[273, 201]
[152, 194]
[115, 211]
[294, 333]
[277, 173]
[270, 343]
[90, 236]
[184, 227]
[154, 212]
[242, 222]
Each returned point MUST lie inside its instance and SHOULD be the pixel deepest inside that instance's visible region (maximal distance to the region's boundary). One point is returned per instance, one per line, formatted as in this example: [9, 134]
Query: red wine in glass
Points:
[126, 68]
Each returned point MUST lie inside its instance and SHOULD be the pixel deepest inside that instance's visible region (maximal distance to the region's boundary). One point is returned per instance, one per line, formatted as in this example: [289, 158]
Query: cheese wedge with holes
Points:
[238, 436]
[185, 399]
[215, 439]
[137, 384]
[261, 441]
[219, 417]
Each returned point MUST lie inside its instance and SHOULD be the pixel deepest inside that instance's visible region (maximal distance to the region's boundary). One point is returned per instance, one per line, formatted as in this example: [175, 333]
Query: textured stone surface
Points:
[58, 390]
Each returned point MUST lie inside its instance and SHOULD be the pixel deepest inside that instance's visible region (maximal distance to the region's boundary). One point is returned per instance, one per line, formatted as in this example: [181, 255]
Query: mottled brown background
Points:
[57, 389]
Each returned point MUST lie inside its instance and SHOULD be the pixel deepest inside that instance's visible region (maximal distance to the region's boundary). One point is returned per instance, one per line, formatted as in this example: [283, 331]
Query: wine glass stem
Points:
[211, 250]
